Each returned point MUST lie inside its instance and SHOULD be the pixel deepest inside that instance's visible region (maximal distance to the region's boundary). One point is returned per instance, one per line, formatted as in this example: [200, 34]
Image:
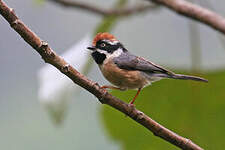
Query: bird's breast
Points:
[126, 79]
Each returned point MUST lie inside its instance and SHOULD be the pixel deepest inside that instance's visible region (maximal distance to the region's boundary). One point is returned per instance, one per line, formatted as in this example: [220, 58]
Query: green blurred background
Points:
[193, 110]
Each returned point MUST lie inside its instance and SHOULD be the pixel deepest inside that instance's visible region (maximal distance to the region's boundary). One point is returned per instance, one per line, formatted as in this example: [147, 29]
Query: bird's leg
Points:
[110, 87]
[132, 102]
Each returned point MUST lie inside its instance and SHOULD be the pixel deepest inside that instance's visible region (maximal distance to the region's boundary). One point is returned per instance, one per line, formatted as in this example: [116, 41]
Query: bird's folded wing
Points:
[131, 62]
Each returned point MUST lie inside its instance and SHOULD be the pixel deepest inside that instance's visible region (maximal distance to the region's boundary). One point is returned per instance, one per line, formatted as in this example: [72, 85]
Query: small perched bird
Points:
[125, 70]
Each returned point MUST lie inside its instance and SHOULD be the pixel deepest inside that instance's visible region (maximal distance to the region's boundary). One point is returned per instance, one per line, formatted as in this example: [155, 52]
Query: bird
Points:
[127, 71]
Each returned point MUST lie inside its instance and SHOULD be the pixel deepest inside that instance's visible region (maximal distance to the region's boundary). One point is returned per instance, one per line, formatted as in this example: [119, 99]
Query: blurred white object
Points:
[56, 88]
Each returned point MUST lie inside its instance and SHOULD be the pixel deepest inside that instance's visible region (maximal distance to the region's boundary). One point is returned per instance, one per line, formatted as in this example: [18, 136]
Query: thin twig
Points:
[49, 56]
[105, 12]
[195, 12]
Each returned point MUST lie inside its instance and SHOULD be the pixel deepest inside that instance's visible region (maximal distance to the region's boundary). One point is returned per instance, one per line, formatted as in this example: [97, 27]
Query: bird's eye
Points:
[103, 45]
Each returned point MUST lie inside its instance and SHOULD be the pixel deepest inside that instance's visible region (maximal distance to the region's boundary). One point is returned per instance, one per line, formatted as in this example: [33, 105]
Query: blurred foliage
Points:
[39, 2]
[108, 22]
[192, 109]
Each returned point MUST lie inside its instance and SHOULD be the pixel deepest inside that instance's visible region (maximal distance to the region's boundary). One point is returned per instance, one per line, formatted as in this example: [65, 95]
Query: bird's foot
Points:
[104, 89]
[131, 108]
[131, 105]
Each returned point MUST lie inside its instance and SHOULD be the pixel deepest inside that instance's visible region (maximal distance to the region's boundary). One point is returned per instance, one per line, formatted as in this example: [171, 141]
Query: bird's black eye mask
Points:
[110, 48]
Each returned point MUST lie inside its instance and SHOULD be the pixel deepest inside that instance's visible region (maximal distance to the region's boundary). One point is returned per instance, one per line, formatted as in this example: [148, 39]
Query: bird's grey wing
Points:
[131, 62]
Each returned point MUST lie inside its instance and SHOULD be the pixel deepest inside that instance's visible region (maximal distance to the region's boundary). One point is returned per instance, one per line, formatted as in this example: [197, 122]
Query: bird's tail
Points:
[187, 77]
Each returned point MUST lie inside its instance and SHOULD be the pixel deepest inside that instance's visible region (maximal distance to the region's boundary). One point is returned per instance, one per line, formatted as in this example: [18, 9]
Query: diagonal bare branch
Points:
[49, 56]
[195, 12]
[105, 12]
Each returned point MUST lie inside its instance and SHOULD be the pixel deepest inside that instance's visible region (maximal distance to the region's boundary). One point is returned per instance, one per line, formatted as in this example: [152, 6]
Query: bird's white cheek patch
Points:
[115, 54]
[109, 55]
[103, 52]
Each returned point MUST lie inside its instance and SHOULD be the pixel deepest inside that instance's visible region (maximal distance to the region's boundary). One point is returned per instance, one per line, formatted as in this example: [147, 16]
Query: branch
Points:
[49, 56]
[105, 12]
[195, 12]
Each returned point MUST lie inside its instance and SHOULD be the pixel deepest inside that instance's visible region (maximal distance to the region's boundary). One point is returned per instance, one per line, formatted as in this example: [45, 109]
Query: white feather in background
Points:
[55, 88]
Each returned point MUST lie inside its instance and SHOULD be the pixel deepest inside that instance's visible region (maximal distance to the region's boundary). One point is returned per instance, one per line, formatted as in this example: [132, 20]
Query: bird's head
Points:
[105, 46]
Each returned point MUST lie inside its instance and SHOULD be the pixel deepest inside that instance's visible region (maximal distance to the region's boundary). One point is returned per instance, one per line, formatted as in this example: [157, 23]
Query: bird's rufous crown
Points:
[103, 36]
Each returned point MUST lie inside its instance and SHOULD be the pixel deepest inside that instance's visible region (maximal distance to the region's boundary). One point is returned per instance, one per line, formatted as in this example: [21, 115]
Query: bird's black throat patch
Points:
[98, 57]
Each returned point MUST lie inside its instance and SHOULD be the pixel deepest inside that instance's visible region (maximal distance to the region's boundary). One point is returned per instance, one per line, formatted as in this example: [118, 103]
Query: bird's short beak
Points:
[91, 48]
